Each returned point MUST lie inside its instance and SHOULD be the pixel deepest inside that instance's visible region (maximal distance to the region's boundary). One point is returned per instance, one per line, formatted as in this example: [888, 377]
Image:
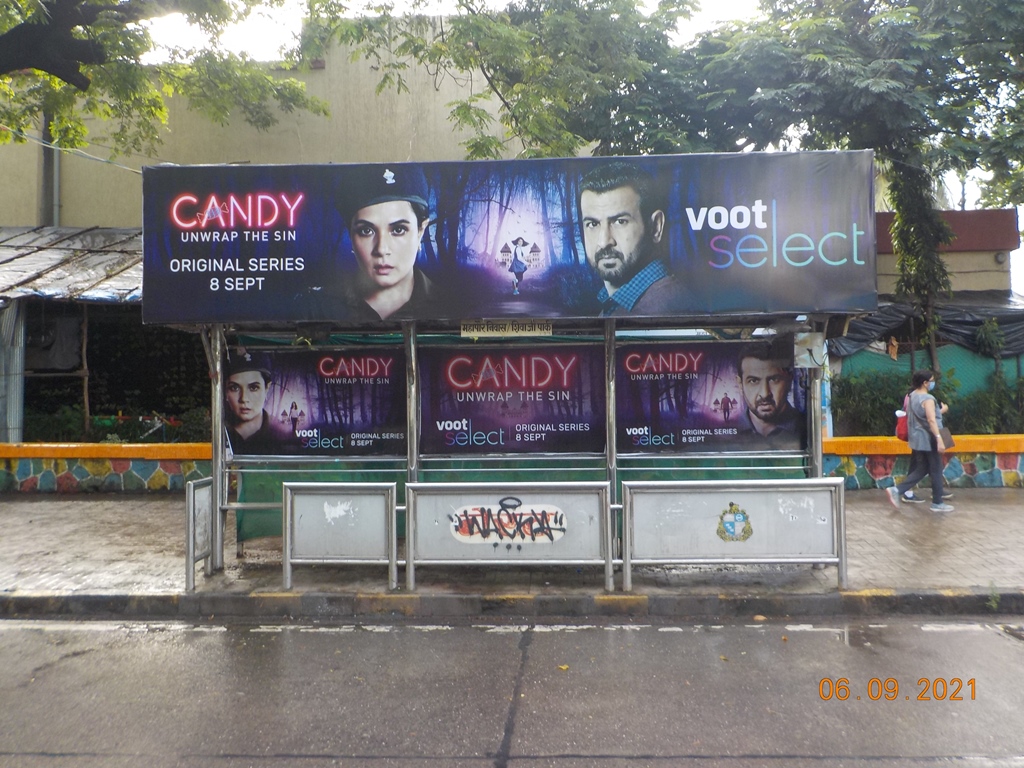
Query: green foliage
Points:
[67, 425]
[196, 426]
[990, 339]
[63, 424]
[929, 89]
[993, 597]
[558, 74]
[136, 371]
[863, 404]
[220, 84]
[998, 409]
[116, 93]
[918, 231]
[924, 87]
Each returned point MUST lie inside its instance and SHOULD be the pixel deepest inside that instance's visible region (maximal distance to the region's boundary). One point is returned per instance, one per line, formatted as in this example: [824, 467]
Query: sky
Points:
[264, 34]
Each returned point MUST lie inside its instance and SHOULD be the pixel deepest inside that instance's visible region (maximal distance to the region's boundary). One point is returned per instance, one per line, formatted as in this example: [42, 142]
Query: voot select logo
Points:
[641, 436]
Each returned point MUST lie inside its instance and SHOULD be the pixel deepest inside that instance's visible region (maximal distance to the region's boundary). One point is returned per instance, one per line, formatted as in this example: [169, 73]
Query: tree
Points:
[73, 59]
[931, 87]
[926, 89]
[565, 74]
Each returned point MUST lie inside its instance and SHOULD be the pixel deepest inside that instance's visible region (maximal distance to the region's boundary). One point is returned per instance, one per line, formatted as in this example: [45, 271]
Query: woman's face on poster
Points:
[386, 238]
[246, 393]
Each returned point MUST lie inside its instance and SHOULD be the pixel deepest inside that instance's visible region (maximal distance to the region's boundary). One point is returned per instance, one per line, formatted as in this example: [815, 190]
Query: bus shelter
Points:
[494, 343]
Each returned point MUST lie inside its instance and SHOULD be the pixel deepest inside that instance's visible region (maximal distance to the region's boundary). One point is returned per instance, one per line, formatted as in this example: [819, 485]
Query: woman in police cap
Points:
[386, 212]
[249, 426]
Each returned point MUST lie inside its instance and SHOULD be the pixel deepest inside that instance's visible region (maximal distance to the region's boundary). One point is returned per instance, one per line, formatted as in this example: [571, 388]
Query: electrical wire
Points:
[72, 151]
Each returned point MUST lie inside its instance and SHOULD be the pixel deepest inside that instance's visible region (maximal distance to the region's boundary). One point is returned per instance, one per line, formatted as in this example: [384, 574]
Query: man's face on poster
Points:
[246, 393]
[765, 386]
[619, 243]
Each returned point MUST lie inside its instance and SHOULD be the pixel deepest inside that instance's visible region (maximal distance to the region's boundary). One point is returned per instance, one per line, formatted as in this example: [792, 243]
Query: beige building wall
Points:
[968, 271]
[20, 168]
[363, 127]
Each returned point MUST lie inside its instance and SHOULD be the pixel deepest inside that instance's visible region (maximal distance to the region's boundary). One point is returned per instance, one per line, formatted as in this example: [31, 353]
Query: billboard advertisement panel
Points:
[340, 402]
[710, 397]
[646, 237]
[512, 400]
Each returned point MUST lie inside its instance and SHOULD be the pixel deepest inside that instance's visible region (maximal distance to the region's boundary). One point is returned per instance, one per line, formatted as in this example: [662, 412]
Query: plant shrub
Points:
[134, 370]
[65, 424]
[996, 410]
[863, 404]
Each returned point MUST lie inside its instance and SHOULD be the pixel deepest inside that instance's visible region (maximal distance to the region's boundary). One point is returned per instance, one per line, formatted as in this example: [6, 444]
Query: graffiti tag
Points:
[510, 522]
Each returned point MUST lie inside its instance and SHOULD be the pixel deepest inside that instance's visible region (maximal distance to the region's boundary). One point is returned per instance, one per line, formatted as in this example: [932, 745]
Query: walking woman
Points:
[924, 419]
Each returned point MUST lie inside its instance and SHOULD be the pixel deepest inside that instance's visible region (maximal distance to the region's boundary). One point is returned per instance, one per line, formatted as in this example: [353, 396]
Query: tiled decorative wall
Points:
[48, 475]
[962, 470]
[989, 461]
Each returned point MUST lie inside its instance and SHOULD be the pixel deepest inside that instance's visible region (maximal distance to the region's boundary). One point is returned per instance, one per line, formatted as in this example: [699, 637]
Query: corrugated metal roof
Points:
[72, 263]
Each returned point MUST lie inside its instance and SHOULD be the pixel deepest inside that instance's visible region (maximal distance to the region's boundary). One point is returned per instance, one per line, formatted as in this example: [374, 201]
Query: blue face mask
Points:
[931, 385]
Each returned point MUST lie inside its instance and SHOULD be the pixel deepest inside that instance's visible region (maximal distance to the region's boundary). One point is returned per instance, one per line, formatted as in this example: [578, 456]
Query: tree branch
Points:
[50, 45]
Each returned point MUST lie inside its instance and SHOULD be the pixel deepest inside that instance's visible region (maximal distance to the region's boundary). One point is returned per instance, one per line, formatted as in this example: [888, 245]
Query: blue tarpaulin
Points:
[960, 316]
[71, 263]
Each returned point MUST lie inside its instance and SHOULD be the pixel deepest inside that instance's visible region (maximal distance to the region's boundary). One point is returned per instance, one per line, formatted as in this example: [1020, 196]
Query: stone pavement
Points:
[123, 556]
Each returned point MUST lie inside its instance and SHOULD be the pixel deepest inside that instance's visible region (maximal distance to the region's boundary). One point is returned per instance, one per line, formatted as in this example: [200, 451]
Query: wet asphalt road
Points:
[475, 695]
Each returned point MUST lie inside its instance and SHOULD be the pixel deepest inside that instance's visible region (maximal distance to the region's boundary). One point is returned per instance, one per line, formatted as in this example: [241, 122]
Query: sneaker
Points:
[941, 508]
[947, 496]
[912, 498]
[894, 496]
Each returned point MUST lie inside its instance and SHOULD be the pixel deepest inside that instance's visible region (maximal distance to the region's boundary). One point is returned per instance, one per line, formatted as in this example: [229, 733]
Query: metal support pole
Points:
[814, 445]
[412, 414]
[86, 410]
[610, 454]
[611, 457]
[215, 353]
[12, 372]
[412, 433]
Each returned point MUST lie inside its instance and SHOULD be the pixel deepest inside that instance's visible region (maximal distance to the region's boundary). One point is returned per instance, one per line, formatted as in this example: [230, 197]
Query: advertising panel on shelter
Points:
[710, 396]
[512, 400]
[689, 521]
[647, 237]
[341, 402]
[509, 523]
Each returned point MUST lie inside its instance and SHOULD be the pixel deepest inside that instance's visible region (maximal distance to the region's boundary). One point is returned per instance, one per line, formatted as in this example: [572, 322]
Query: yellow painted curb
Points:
[881, 592]
[152, 451]
[406, 605]
[833, 446]
[628, 604]
[875, 445]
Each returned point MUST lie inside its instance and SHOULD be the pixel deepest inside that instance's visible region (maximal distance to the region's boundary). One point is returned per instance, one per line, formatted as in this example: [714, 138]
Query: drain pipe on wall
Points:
[49, 197]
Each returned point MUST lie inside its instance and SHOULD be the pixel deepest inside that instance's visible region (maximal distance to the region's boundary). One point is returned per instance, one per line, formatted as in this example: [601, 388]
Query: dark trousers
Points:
[924, 463]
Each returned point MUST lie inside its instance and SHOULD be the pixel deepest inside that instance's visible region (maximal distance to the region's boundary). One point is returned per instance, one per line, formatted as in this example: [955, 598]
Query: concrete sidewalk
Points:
[123, 556]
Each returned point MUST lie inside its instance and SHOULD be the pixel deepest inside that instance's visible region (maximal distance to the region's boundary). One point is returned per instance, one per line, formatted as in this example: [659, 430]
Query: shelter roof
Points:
[960, 317]
[71, 263]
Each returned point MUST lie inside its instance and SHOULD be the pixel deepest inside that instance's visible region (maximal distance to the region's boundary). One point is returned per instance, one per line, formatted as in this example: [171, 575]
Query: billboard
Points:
[369, 245]
[519, 400]
[339, 402]
[710, 397]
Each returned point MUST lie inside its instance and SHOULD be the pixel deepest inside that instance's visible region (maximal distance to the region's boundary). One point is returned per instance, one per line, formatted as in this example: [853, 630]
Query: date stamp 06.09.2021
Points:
[889, 689]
